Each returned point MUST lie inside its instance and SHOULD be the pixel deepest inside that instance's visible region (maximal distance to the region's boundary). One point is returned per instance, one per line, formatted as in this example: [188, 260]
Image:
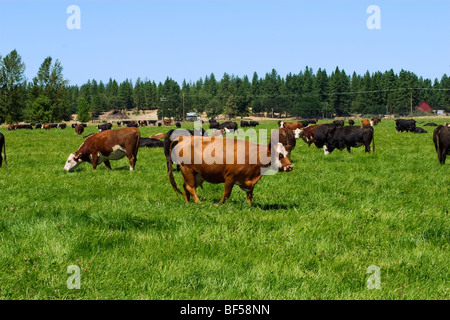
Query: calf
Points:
[441, 139]
[150, 143]
[2, 146]
[242, 171]
[105, 146]
[405, 125]
[350, 136]
[419, 130]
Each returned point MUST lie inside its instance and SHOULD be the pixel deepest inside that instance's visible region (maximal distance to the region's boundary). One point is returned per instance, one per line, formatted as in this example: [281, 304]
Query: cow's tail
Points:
[4, 151]
[373, 142]
[169, 160]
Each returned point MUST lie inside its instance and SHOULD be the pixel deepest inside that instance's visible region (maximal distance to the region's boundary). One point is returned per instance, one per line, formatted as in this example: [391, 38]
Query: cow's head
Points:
[72, 162]
[282, 162]
[297, 133]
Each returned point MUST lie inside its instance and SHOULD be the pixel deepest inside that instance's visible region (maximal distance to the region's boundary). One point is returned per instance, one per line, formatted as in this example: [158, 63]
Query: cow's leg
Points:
[250, 196]
[229, 183]
[189, 184]
[444, 154]
[94, 160]
[107, 164]
[187, 194]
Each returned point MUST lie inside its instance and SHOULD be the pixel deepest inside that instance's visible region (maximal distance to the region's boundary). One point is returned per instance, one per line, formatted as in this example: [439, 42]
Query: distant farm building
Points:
[424, 107]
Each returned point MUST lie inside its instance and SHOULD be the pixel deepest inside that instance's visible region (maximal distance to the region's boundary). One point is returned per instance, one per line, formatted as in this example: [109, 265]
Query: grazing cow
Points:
[74, 125]
[11, 127]
[286, 138]
[38, 126]
[62, 125]
[244, 124]
[430, 124]
[214, 124]
[366, 123]
[307, 134]
[47, 126]
[175, 133]
[350, 137]
[105, 146]
[132, 124]
[152, 122]
[150, 143]
[243, 170]
[167, 122]
[2, 146]
[290, 125]
[79, 129]
[253, 123]
[339, 123]
[419, 130]
[405, 125]
[351, 122]
[178, 124]
[312, 121]
[228, 126]
[54, 125]
[441, 139]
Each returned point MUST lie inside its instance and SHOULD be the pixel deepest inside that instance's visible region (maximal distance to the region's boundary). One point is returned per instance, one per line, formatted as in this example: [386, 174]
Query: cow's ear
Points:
[288, 147]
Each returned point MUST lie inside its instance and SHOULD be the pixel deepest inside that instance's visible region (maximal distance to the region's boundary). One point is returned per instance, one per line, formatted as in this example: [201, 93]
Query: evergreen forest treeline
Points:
[48, 97]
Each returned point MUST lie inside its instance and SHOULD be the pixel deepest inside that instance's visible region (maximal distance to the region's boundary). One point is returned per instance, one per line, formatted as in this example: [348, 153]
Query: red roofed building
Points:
[425, 107]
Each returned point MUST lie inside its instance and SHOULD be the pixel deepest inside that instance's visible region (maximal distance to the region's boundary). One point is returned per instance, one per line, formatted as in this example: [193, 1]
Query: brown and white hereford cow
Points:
[286, 137]
[107, 145]
[307, 134]
[290, 125]
[223, 160]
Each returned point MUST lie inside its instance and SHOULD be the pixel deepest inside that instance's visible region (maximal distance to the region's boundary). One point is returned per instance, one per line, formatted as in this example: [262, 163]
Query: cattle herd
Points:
[247, 165]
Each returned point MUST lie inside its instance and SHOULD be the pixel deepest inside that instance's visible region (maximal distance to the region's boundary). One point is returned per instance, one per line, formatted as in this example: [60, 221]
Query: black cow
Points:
[74, 125]
[441, 139]
[62, 125]
[244, 124]
[351, 122]
[25, 126]
[350, 137]
[104, 126]
[323, 133]
[419, 130]
[178, 124]
[132, 124]
[214, 124]
[175, 133]
[405, 125]
[253, 123]
[228, 125]
[54, 125]
[2, 146]
[150, 143]
[38, 126]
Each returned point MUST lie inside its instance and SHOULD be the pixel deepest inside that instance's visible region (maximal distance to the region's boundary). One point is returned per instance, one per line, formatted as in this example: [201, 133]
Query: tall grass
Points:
[311, 232]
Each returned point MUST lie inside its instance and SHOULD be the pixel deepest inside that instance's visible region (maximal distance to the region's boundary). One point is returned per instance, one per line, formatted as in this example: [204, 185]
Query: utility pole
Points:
[411, 104]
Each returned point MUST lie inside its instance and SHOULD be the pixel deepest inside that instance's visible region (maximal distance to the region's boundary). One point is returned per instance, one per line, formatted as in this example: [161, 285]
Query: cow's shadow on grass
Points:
[272, 206]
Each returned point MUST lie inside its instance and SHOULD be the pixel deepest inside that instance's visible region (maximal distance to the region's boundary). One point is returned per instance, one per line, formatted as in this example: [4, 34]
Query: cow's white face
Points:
[297, 133]
[72, 163]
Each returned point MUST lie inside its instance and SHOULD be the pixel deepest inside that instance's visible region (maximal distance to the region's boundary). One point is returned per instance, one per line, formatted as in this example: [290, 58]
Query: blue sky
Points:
[187, 40]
